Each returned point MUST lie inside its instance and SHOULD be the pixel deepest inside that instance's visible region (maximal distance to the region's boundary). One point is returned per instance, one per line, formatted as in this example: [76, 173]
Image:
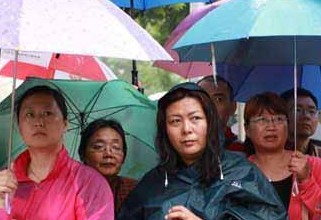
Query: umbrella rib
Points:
[137, 138]
[244, 79]
[92, 104]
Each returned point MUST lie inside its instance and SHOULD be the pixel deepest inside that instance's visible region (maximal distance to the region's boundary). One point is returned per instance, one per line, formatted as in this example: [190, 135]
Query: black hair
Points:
[208, 164]
[95, 126]
[301, 92]
[210, 78]
[58, 97]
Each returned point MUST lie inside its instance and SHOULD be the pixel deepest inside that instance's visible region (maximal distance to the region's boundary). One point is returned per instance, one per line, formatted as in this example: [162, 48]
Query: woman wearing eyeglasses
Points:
[296, 177]
[103, 147]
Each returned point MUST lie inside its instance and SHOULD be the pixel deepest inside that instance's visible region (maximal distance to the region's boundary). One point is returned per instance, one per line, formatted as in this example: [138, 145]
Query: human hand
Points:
[8, 184]
[180, 212]
[299, 165]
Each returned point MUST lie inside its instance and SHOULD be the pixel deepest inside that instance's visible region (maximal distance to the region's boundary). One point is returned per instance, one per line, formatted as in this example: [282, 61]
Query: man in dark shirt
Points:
[306, 121]
[222, 96]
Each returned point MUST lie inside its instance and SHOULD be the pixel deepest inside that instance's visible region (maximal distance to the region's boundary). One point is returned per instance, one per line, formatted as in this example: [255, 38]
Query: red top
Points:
[70, 191]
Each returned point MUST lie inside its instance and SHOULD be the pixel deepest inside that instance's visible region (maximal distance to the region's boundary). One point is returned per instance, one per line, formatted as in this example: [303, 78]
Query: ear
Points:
[66, 125]
[233, 108]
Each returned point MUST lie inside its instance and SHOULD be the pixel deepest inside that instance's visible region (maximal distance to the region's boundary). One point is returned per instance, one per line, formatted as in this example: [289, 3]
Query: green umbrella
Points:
[87, 101]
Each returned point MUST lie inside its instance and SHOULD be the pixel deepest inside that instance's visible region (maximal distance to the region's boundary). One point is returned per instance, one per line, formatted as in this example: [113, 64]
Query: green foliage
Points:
[159, 22]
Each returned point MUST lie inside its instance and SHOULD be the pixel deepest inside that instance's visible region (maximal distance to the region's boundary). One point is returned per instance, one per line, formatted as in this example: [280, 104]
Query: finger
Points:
[177, 215]
[178, 208]
[12, 166]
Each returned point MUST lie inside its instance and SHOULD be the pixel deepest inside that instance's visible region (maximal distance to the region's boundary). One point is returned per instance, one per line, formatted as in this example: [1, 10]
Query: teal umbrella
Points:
[256, 32]
[89, 100]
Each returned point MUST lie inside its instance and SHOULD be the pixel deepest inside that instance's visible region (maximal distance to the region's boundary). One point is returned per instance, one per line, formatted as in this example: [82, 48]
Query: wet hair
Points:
[210, 78]
[58, 97]
[268, 101]
[208, 164]
[93, 127]
[289, 95]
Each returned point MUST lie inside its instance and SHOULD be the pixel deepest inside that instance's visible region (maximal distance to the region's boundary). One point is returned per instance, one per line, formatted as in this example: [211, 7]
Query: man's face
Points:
[220, 96]
[307, 117]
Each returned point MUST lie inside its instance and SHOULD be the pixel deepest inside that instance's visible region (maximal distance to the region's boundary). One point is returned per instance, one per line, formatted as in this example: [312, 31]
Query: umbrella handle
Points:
[295, 187]
[7, 203]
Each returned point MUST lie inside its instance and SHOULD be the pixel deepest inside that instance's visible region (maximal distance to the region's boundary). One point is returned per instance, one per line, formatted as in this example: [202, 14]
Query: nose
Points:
[187, 127]
[39, 121]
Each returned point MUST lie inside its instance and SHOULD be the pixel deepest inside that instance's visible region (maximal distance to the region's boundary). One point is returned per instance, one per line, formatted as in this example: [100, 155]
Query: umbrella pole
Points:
[134, 66]
[213, 64]
[295, 190]
[134, 69]
[7, 196]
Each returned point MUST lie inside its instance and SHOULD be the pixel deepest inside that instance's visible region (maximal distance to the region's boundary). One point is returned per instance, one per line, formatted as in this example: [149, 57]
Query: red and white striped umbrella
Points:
[50, 66]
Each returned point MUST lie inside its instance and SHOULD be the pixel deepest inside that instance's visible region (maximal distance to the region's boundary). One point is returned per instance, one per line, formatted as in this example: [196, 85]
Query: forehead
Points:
[107, 133]
[39, 99]
[305, 101]
[186, 105]
[212, 89]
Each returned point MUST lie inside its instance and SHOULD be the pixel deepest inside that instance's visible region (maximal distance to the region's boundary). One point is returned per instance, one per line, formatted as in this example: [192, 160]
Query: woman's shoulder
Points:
[237, 166]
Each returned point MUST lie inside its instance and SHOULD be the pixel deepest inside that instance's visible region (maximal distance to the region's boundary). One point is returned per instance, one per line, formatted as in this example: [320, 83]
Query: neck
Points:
[273, 165]
[42, 162]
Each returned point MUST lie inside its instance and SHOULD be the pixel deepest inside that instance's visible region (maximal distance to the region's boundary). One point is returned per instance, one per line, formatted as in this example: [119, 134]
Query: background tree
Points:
[159, 22]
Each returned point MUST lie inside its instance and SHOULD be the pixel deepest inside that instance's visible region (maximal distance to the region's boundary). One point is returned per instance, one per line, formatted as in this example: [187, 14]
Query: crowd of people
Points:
[204, 172]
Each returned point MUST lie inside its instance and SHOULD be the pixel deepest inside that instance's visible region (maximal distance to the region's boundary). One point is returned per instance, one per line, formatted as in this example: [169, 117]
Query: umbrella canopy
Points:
[56, 66]
[249, 81]
[89, 100]
[187, 69]
[256, 32]
[148, 4]
[84, 27]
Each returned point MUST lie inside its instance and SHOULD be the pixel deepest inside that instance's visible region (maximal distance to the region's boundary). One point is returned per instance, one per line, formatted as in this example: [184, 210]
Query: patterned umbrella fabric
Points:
[86, 27]
[45, 65]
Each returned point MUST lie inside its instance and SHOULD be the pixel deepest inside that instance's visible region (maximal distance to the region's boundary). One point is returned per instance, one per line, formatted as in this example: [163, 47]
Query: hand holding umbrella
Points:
[9, 185]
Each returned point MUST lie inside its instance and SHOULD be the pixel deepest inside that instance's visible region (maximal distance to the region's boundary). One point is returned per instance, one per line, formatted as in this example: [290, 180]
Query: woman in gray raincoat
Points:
[196, 178]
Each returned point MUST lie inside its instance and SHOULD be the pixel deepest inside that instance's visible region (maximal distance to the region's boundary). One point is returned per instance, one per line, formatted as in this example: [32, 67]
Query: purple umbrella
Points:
[187, 69]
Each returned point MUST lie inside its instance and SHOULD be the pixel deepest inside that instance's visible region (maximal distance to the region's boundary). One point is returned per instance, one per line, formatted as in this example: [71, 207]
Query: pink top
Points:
[70, 191]
[309, 193]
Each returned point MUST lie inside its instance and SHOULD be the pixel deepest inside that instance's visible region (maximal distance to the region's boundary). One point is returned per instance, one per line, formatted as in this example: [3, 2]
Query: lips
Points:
[107, 165]
[270, 137]
[39, 134]
[188, 143]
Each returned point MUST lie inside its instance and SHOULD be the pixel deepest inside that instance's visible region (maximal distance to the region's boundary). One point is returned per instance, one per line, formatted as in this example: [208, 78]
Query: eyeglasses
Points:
[313, 113]
[99, 148]
[264, 121]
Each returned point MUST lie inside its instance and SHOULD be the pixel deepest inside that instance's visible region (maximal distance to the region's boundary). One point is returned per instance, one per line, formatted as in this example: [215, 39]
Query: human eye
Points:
[174, 121]
[312, 112]
[97, 147]
[29, 114]
[116, 148]
[299, 110]
[47, 113]
[196, 118]
[279, 118]
[259, 120]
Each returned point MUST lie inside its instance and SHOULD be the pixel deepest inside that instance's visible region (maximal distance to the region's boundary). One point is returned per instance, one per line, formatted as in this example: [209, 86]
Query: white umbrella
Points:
[87, 27]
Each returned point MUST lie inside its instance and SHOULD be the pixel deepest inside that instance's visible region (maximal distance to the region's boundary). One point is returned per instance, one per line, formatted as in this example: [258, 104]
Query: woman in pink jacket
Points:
[296, 177]
[44, 182]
